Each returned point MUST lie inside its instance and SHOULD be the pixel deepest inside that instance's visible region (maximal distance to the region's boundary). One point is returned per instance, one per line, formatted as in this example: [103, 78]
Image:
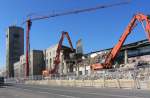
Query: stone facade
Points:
[36, 64]
[64, 66]
[44, 60]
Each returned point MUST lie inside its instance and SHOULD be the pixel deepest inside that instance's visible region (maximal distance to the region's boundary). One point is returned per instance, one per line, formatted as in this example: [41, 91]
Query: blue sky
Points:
[99, 29]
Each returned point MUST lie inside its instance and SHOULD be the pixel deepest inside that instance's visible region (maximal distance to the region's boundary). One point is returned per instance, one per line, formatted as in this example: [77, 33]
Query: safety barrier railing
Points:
[120, 78]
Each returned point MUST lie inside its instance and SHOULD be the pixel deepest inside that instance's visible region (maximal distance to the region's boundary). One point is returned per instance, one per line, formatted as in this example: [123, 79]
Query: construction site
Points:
[122, 66]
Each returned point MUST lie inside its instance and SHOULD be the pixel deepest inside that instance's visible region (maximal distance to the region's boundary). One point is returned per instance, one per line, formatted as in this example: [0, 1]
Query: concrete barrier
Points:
[121, 83]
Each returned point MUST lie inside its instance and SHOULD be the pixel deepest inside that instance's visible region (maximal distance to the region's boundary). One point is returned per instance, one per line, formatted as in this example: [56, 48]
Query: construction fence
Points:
[116, 78]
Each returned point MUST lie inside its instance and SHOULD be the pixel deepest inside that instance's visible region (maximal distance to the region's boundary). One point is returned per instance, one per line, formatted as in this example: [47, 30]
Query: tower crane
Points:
[29, 23]
[115, 50]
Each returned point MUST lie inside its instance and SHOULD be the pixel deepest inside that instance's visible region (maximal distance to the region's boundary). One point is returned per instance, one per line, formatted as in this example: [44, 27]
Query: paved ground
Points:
[28, 91]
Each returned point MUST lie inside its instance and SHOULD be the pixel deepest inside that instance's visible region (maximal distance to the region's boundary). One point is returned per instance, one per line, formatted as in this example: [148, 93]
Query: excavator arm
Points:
[114, 52]
[57, 58]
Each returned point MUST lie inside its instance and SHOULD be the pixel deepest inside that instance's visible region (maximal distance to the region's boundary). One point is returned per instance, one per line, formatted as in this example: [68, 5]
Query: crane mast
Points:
[29, 23]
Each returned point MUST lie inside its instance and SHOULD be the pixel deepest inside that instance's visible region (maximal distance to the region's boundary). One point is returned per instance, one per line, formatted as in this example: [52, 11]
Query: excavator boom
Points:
[57, 58]
[114, 52]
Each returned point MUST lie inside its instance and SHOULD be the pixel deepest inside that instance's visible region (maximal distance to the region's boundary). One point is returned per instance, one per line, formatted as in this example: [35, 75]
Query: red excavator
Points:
[57, 58]
[114, 52]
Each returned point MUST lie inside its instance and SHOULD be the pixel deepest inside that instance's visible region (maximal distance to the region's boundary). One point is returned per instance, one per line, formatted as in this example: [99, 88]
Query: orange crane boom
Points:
[57, 58]
[114, 52]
